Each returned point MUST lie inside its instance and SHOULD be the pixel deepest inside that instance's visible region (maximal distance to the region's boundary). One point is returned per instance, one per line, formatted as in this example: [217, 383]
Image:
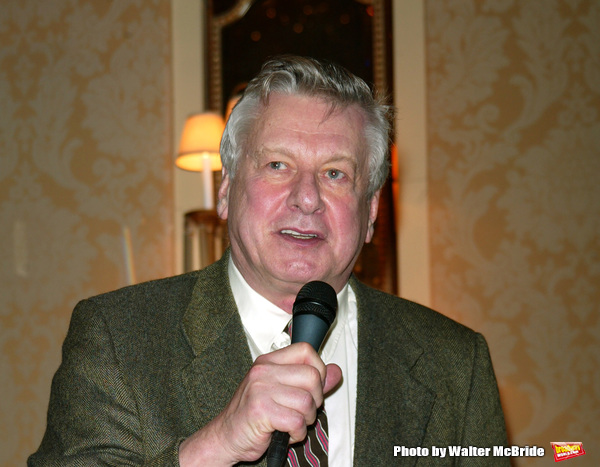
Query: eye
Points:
[277, 165]
[335, 174]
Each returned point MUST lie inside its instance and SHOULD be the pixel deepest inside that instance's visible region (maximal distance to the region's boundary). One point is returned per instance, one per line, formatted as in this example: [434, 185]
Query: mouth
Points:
[299, 235]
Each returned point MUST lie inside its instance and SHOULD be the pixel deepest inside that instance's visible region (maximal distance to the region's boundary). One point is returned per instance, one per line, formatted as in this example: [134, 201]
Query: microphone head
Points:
[317, 298]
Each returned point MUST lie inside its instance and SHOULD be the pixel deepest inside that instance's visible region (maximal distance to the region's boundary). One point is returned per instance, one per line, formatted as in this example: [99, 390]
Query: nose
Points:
[305, 193]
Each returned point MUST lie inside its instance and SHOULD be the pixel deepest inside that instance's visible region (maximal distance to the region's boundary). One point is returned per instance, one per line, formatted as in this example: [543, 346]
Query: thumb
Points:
[332, 378]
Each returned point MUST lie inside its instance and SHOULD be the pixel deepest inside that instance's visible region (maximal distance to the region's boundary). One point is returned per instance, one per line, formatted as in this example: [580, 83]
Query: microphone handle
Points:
[278, 449]
[307, 328]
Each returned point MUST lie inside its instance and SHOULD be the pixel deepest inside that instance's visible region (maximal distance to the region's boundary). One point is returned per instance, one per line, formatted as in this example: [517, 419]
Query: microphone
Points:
[312, 315]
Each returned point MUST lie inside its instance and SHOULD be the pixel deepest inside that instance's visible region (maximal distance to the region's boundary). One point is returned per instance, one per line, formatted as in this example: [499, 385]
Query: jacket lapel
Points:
[393, 407]
[214, 331]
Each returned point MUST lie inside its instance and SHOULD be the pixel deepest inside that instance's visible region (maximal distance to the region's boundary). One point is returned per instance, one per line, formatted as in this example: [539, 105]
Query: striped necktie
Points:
[312, 452]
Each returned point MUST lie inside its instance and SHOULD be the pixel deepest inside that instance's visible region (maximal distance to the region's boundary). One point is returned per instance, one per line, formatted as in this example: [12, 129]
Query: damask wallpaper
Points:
[85, 179]
[514, 157]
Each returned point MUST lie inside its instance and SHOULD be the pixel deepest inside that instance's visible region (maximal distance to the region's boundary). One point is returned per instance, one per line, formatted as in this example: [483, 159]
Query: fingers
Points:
[300, 353]
[307, 406]
[281, 391]
[293, 380]
[294, 415]
[331, 375]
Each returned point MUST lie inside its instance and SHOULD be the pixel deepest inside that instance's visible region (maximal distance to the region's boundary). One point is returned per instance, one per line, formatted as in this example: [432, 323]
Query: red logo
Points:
[563, 450]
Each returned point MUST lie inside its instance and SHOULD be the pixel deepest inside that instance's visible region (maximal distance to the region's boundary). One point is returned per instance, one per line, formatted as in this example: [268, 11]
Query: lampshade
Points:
[200, 140]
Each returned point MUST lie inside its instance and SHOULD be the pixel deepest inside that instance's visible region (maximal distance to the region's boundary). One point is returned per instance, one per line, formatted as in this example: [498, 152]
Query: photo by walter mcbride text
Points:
[469, 451]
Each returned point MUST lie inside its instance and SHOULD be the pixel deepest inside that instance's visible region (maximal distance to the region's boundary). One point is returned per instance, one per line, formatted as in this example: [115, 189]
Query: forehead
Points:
[308, 119]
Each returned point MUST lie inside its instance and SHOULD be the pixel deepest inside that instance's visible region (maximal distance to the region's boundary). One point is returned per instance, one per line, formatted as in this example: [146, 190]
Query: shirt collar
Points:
[264, 321]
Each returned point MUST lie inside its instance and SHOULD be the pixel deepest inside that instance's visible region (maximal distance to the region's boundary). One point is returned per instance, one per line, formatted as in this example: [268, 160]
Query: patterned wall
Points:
[514, 157]
[85, 179]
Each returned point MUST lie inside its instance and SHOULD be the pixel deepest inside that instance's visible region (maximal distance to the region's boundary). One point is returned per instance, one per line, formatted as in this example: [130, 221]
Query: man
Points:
[194, 370]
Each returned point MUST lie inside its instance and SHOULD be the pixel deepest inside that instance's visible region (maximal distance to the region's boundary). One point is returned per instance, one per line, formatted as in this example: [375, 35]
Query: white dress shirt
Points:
[264, 323]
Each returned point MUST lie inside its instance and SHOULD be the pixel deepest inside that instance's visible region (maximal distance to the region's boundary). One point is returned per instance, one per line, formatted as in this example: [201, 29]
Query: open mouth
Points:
[299, 235]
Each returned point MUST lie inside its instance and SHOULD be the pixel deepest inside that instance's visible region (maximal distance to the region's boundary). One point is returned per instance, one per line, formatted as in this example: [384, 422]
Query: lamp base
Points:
[205, 238]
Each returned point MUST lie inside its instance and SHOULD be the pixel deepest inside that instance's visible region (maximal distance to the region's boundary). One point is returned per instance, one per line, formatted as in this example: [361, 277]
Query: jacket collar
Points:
[212, 327]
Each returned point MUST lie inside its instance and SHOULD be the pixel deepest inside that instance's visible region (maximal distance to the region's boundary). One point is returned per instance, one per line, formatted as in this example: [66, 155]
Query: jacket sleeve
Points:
[483, 419]
[92, 415]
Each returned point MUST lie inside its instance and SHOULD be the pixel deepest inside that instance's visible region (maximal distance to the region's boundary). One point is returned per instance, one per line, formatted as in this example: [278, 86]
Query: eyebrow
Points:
[265, 151]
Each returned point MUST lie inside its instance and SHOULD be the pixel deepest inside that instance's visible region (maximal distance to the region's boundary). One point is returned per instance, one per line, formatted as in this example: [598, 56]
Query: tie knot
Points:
[288, 328]
[282, 339]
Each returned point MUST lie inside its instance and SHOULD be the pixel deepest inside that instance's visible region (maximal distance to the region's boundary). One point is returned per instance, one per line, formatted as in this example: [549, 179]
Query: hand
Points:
[282, 391]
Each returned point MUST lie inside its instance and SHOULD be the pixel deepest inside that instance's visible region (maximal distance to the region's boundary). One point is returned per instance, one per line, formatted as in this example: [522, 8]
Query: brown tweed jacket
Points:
[146, 366]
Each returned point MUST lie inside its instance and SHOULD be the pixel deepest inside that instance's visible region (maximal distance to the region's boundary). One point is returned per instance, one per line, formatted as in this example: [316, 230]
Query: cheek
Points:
[255, 210]
[349, 218]
[264, 198]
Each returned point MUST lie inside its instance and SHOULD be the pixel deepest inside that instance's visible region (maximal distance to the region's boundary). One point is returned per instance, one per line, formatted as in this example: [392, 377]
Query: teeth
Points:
[295, 234]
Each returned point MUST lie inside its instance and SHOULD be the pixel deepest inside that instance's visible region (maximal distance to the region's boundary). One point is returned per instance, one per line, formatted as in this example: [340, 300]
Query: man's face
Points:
[297, 206]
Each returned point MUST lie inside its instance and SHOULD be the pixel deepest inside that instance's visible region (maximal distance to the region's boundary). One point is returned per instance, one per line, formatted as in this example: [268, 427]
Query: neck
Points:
[280, 293]
[284, 299]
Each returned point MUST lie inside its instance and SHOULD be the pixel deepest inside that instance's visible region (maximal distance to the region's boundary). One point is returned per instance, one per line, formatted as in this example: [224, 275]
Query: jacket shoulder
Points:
[427, 328]
[149, 302]
[147, 317]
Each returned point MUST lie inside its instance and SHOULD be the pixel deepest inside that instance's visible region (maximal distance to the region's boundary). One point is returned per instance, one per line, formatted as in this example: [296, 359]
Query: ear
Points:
[373, 209]
[223, 195]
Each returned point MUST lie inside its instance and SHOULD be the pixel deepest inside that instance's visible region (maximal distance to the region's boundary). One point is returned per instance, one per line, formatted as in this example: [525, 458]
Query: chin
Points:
[302, 272]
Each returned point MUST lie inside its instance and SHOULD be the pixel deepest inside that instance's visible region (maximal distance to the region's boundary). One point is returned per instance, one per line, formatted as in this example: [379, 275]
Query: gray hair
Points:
[293, 75]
